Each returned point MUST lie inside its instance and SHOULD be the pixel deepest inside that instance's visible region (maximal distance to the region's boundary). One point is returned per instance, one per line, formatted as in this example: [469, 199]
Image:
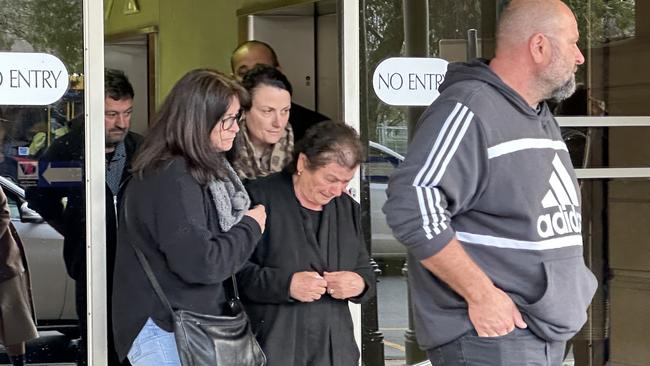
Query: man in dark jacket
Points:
[64, 206]
[251, 53]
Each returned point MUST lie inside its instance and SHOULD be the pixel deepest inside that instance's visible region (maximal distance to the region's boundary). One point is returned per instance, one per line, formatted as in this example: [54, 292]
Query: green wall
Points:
[198, 33]
[192, 33]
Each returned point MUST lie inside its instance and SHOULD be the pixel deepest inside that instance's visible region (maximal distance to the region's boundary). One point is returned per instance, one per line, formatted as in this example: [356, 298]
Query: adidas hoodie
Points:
[485, 167]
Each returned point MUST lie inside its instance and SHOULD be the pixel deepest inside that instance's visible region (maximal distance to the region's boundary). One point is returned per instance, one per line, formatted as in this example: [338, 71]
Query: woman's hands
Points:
[344, 284]
[259, 214]
[310, 286]
[307, 286]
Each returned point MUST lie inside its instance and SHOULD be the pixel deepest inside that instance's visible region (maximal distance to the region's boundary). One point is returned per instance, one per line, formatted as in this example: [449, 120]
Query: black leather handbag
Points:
[203, 339]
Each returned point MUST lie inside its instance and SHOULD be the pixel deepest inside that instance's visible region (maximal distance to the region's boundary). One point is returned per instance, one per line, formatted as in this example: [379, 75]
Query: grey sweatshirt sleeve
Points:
[443, 174]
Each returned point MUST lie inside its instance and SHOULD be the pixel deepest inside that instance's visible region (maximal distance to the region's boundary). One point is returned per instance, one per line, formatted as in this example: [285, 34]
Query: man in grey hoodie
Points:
[488, 204]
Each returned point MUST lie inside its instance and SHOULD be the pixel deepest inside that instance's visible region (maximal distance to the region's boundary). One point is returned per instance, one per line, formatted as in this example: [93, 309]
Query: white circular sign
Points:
[31, 78]
[409, 80]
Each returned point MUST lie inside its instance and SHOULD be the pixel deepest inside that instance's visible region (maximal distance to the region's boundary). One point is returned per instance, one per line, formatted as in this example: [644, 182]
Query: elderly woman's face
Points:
[269, 115]
[319, 186]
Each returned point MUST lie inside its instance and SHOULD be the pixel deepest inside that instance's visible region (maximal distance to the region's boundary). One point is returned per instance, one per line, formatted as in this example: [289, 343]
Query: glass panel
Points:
[588, 347]
[383, 38]
[613, 82]
[41, 166]
[383, 22]
[608, 147]
[614, 44]
[615, 39]
[610, 83]
[385, 248]
[449, 24]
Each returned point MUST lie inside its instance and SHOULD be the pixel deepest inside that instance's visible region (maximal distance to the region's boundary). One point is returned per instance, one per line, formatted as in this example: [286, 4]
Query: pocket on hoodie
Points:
[562, 309]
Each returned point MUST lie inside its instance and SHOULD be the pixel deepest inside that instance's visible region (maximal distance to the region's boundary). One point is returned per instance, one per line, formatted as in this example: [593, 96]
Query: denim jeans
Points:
[518, 348]
[154, 347]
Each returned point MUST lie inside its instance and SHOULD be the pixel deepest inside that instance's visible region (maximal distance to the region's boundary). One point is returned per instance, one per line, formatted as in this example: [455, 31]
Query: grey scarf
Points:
[230, 198]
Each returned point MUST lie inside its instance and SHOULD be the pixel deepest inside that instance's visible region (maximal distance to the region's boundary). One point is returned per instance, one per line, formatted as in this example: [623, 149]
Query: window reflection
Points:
[613, 82]
[26, 133]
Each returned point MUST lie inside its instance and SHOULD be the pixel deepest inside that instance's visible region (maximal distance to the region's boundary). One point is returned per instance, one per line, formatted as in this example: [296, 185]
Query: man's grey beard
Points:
[564, 91]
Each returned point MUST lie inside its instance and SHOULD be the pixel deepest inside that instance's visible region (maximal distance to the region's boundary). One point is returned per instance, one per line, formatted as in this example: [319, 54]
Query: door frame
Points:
[93, 38]
[152, 35]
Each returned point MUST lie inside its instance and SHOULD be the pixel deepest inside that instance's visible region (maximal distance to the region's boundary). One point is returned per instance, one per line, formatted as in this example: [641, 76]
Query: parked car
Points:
[52, 288]
[381, 163]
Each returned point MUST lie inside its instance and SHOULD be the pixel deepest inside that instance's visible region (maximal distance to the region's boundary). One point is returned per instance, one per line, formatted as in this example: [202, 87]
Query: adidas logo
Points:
[563, 196]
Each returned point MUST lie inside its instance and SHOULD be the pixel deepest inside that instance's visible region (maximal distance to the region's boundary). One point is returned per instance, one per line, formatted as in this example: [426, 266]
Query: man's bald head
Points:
[522, 19]
[537, 51]
[249, 54]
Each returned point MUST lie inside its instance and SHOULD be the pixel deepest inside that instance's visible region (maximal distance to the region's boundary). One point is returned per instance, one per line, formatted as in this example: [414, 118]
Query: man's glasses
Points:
[228, 121]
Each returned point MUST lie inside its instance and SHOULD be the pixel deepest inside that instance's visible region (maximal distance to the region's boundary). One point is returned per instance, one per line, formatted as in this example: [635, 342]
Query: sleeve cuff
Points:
[362, 297]
[250, 222]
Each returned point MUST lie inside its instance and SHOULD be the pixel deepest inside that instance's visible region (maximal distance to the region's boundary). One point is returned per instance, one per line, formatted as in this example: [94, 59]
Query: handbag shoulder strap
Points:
[152, 278]
[235, 291]
[123, 207]
[156, 286]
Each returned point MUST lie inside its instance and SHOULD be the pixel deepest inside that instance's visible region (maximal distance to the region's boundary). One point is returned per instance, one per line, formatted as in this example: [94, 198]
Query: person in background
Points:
[16, 305]
[311, 260]
[188, 213]
[265, 142]
[69, 218]
[251, 53]
[488, 204]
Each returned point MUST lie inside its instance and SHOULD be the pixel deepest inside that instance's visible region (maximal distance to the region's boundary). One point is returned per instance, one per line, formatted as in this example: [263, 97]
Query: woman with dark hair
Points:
[265, 143]
[310, 261]
[187, 211]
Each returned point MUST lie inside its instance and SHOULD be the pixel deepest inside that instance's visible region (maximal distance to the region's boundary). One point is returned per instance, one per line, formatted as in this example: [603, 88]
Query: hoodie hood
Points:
[479, 70]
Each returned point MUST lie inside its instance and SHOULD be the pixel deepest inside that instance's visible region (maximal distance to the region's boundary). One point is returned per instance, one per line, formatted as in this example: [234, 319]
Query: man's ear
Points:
[540, 48]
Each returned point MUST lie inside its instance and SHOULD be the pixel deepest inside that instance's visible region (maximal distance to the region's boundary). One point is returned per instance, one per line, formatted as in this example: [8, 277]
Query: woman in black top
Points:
[311, 260]
[187, 211]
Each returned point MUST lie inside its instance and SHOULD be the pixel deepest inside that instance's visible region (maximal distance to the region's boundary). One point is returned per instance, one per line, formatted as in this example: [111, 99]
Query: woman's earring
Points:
[299, 172]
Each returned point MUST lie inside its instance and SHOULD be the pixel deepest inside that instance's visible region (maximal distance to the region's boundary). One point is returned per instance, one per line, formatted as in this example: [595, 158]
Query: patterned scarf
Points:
[251, 164]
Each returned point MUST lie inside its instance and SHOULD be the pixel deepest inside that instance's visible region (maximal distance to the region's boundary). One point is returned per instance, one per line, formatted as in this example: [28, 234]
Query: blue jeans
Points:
[154, 347]
[519, 348]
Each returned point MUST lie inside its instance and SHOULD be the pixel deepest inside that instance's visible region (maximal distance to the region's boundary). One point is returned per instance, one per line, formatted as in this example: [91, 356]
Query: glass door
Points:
[451, 30]
[605, 125]
[48, 174]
